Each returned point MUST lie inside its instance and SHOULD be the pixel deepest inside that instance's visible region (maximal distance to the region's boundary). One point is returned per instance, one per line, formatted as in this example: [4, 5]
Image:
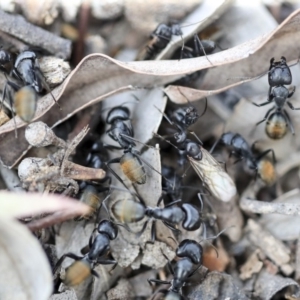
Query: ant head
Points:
[279, 73]
[120, 112]
[191, 115]
[193, 150]
[276, 126]
[108, 228]
[191, 249]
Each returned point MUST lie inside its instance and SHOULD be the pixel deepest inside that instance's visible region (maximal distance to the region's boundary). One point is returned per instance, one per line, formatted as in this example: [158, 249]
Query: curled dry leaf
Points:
[217, 286]
[25, 271]
[268, 285]
[17, 205]
[207, 12]
[99, 76]
[247, 61]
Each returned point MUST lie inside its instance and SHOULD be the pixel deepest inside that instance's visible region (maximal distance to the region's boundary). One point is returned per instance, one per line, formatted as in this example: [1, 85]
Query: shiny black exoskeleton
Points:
[190, 253]
[129, 211]
[239, 147]
[159, 39]
[98, 248]
[6, 61]
[279, 75]
[121, 131]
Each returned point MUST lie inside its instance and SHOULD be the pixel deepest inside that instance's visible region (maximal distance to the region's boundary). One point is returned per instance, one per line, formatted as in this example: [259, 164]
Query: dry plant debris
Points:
[123, 132]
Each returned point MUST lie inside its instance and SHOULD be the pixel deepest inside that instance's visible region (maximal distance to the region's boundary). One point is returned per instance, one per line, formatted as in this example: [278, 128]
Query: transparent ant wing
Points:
[213, 176]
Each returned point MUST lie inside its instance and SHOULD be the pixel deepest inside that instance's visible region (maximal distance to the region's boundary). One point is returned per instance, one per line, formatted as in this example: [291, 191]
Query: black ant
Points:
[129, 211]
[239, 147]
[208, 169]
[121, 131]
[99, 246]
[279, 75]
[27, 72]
[191, 254]
[159, 39]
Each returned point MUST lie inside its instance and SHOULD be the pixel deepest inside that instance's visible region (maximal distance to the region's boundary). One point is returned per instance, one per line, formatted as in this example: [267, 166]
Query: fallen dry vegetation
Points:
[87, 54]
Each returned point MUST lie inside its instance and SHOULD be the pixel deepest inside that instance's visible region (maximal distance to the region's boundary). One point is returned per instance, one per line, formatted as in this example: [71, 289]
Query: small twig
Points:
[18, 27]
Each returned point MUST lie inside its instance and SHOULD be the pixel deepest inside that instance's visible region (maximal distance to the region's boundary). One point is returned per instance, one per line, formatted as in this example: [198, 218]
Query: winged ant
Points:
[207, 168]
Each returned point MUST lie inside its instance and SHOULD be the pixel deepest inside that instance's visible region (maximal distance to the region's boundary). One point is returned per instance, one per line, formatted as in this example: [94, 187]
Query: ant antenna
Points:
[197, 40]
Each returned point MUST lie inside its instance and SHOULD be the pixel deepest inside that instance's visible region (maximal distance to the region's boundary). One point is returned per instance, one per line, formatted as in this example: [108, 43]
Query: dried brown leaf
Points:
[25, 271]
[246, 61]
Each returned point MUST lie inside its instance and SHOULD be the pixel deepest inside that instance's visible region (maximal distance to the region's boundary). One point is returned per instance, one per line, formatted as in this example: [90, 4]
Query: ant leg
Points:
[104, 205]
[173, 203]
[291, 93]
[153, 234]
[171, 227]
[158, 281]
[214, 145]
[93, 272]
[265, 153]
[289, 121]
[195, 135]
[198, 46]
[262, 104]
[266, 116]
[60, 261]
[40, 75]
[106, 262]
[201, 201]
[165, 116]
[114, 161]
[139, 233]
[190, 275]
[291, 106]
[112, 147]
[169, 263]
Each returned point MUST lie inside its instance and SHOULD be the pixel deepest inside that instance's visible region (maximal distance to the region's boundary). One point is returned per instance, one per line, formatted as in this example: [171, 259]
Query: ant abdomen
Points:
[266, 171]
[77, 272]
[25, 103]
[128, 211]
[133, 168]
[276, 127]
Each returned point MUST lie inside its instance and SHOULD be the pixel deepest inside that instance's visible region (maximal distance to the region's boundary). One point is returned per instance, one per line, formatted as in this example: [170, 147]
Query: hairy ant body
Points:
[27, 72]
[191, 254]
[99, 246]
[279, 75]
[159, 39]
[129, 211]
[239, 147]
